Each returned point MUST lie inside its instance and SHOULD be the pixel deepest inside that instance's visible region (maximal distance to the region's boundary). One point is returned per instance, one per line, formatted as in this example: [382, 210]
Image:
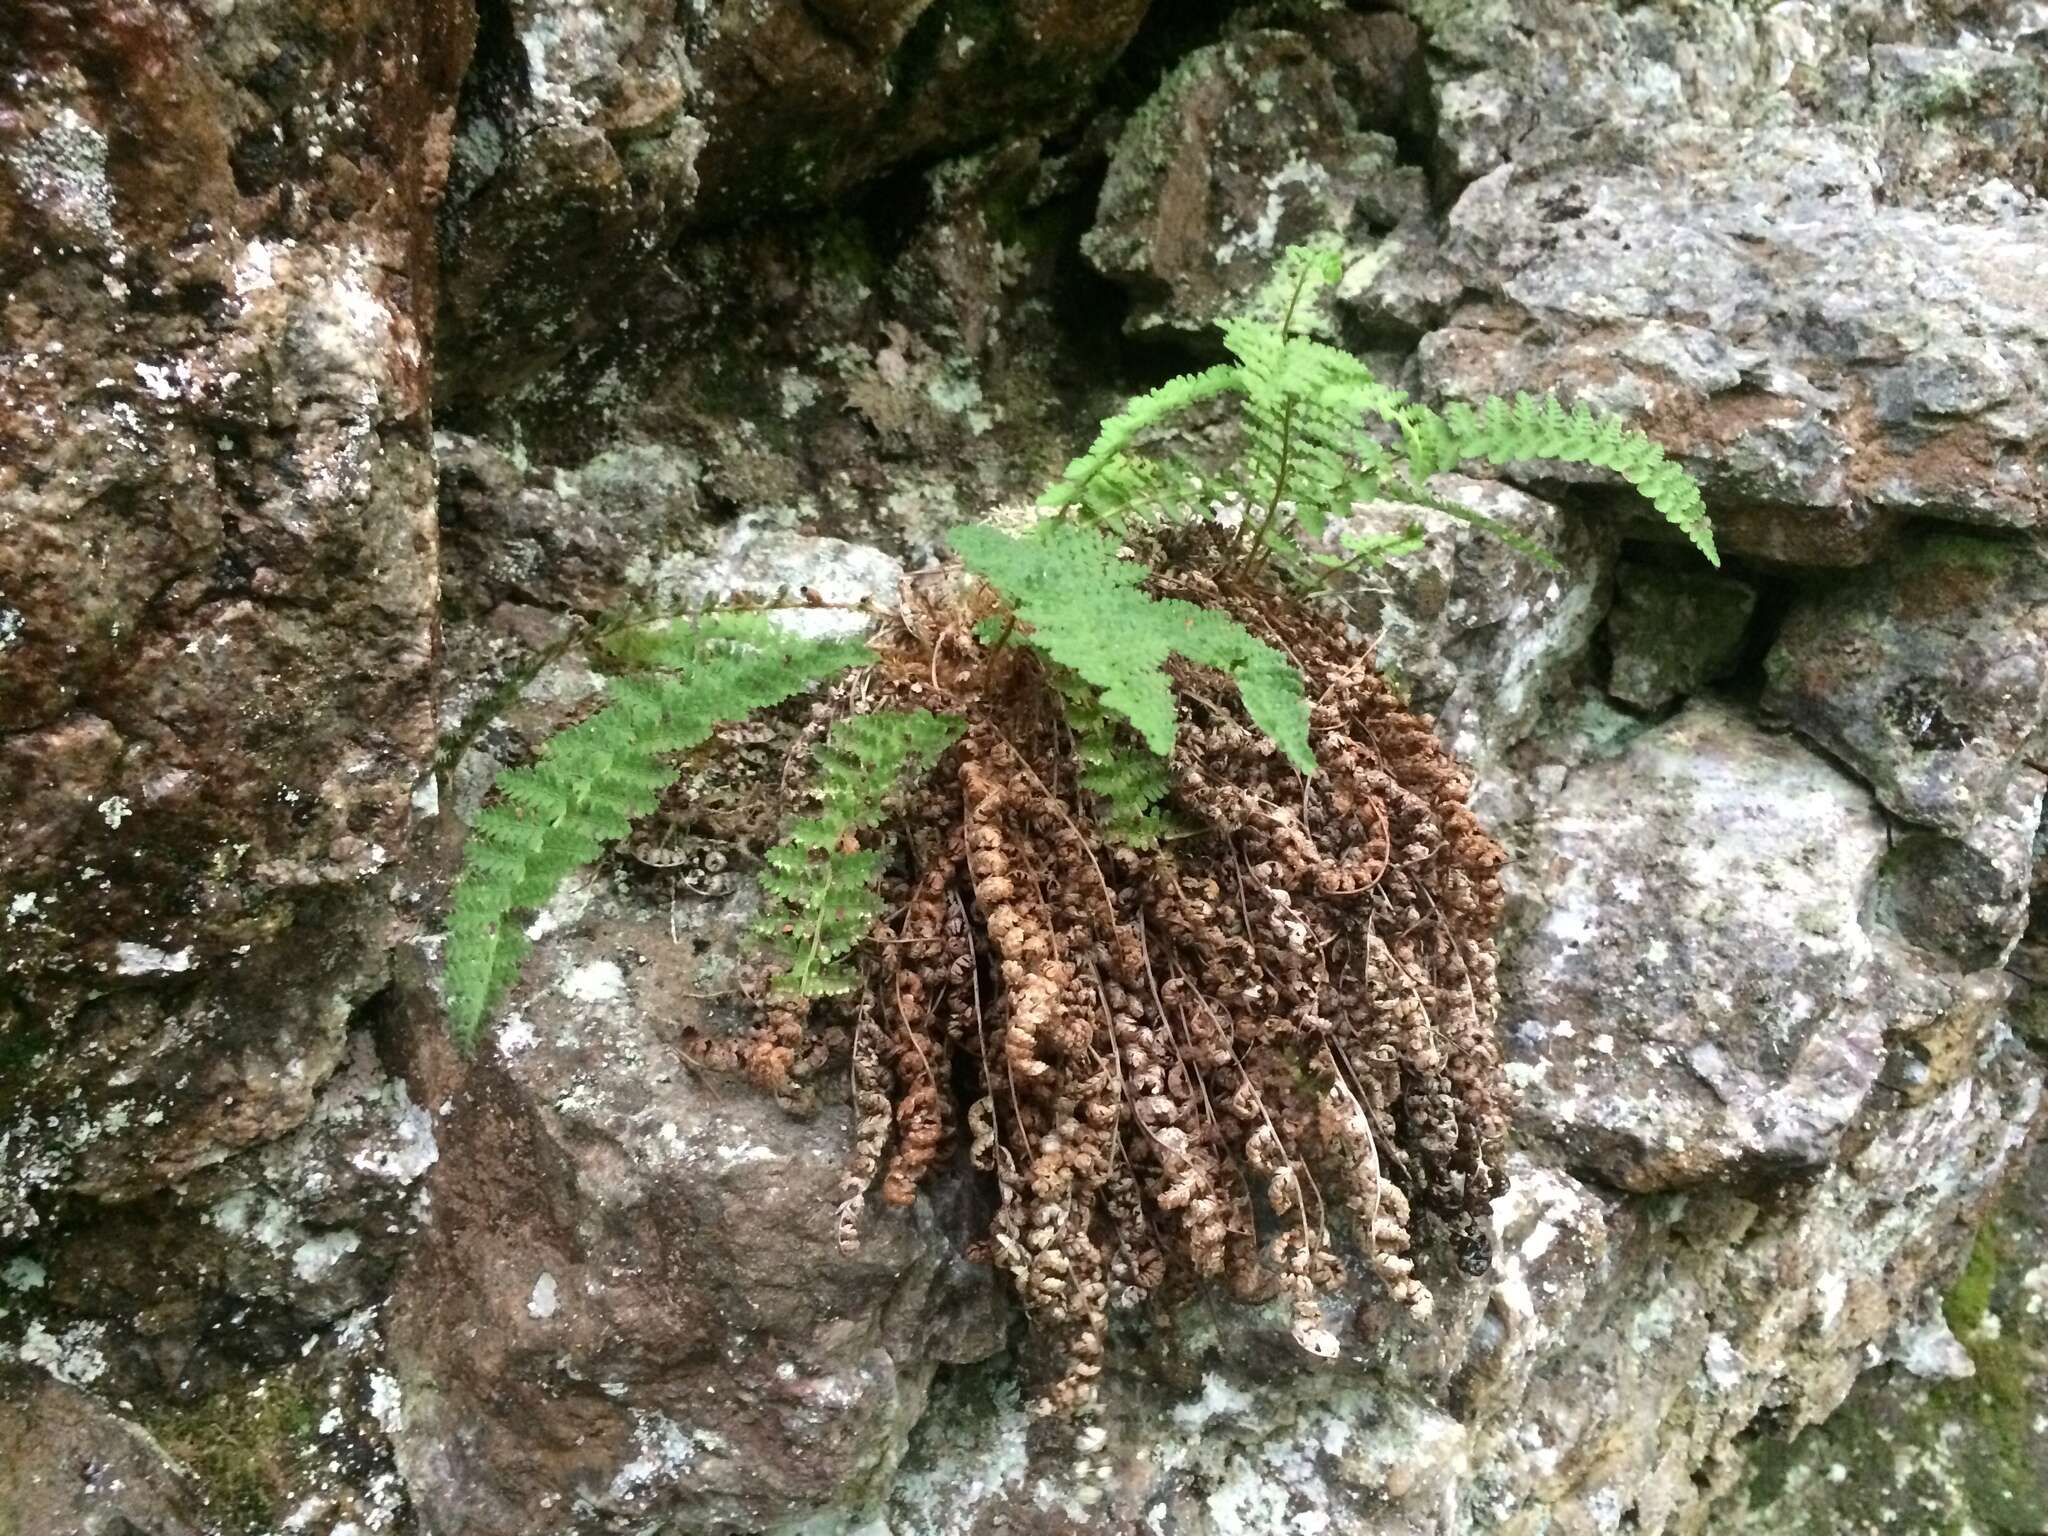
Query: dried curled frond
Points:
[1233, 1055]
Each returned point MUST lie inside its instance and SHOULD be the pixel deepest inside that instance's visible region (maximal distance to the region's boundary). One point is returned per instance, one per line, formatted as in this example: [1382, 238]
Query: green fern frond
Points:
[591, 781]
[1088, 611]
[1127, 780]
[1532, 429]
[820, 881]
[1107, 456]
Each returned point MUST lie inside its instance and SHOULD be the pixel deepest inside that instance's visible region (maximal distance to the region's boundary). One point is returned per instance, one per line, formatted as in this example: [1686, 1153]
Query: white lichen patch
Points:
[72, 1356]
[61, 169]
[543, 1299]
[316, 1256]
[131, 959]
[595, 981]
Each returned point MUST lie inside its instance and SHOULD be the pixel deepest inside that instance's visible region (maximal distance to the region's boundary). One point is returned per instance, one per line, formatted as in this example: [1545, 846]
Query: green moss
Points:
[241, 1448]
[1970, 1298]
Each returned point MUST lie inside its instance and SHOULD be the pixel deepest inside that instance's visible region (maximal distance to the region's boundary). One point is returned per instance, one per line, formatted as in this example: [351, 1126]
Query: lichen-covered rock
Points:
[1692, 995]
[1672, 631]
[1928, 677]
[247, 1259]
[1954, 1455]
[72, 1468]
[1969, 896]
[1605, 1377]
[216, 594]
[1248, 146]
[1478, 635]
[630, 1308]
[1725, 221]
[594, 132]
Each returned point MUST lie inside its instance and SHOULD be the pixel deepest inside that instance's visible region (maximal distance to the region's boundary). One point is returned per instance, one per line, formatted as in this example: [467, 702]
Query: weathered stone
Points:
[1604, 1377]
[1673, 631]
[1968, 896]
[216, 570]
[1691, 994]
[71, 1468]
[629, 1308]
[1928, 678]
[1479, 635]
[1682, 215]
[1247, 147]
[246, 1260]
[594, 132]
[1962, 1454]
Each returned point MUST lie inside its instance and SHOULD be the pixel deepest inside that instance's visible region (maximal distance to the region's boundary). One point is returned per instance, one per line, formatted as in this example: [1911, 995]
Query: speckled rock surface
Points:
[1928, 677]
[631, 1309]
[1479, 637]
[1758, 229]
[1247, 147]
[765, 294]
[594, 132]
[74, 1469]
[1689, 1008]
[217, 485]
[1940, 1453]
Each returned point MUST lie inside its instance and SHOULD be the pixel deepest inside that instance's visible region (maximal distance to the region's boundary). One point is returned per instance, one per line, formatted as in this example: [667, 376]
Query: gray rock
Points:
[1928, 678]
[1248, 146]
[72, 1468]
[1963, 1454]
[1968, 896]
[1609, 1370]
[629, 1308]
[1673, 631]
[1679, 215]
[1477, 634]
[1691, 992]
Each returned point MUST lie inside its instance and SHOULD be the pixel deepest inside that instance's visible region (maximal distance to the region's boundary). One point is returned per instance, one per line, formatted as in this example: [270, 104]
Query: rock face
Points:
[1680, 214]
[1694, 1009]
[73, 1467]
[597, 131]
[740, 296]
[216, 652]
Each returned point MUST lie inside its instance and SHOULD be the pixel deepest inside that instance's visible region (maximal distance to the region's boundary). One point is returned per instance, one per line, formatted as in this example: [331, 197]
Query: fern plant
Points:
[820, 880]
[1321, 432]
[590, 782]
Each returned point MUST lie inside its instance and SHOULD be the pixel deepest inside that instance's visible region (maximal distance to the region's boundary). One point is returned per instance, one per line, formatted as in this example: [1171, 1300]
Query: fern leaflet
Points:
[1087, 610]
[821, 881]
[589, 782]
[1127, 780]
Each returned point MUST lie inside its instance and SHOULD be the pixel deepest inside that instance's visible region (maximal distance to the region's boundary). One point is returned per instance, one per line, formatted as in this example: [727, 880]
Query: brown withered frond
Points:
[1210, 1060]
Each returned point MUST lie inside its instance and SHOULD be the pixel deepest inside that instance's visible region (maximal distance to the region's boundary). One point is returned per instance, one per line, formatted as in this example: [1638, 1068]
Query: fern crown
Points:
[1318, 431]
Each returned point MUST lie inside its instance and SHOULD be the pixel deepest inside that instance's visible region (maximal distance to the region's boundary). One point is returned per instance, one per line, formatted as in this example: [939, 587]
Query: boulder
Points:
[216, 585]
[595, 132]
[629, 1308]
[1479, 636]
[1928, 678]
[1691, 994]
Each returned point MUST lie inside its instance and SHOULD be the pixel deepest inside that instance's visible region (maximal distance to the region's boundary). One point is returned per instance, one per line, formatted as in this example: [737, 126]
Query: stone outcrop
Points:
[216, 651]
[732, 297]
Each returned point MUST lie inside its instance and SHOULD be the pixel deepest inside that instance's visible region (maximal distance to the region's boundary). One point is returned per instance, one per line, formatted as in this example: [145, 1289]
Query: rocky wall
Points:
[354, 350]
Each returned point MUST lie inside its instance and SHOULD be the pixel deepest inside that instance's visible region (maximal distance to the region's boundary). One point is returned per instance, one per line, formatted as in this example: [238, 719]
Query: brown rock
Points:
[217, 572]
[71, 1468]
